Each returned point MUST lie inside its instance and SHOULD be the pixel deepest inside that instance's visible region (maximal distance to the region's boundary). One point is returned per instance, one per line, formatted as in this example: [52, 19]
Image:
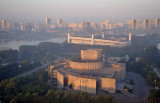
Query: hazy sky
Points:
[78, 10]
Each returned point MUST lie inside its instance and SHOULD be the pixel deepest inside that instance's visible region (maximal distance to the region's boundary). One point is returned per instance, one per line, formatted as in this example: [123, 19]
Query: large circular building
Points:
[88, 73]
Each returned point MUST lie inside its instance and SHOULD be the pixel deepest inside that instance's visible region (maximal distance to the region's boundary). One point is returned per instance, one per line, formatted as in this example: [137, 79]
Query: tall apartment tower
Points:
[3, 24]
[48, 21]
[135, 24]
[157, 23]
[60, 23]
[147, 24]
[107, 21]
[38, 27]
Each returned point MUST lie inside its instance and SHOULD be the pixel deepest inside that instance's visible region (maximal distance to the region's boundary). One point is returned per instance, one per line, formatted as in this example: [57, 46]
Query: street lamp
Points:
[155, 83]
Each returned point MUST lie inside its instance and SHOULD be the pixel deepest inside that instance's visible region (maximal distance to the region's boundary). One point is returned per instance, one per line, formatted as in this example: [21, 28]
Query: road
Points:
[141, 90]
[37, 68]
[32, 71]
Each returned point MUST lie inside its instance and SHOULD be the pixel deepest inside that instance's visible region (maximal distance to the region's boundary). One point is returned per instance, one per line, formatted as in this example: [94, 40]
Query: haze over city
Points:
[79, 51]
[78, 10]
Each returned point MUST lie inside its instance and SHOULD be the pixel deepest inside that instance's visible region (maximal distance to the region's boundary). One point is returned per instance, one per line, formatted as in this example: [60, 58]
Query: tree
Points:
[152, 54]
[9, 55]
[13, 101]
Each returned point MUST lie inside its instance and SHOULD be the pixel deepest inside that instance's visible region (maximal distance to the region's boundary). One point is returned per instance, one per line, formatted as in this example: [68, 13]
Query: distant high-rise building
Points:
[48, 21]
[48, 24]
[135, 24]
[86, 24]
[129, 23]
[106, 22]
[22, 28]
[102, 26]
[38, 27]
[72, 25]
[11, 26]
[25, 27]
[3, 24]
[157, 23]
[60, 23]
[147, 24]
[109, 27]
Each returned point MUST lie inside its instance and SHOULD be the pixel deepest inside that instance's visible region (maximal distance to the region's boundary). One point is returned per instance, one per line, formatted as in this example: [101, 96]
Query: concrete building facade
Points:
[82, 84]
[93, 41]
[90, 74]
[108, 84]
[96, 55]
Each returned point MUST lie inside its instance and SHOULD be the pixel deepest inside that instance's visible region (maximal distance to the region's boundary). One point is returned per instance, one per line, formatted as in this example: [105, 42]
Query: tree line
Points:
[34, 89]
[13, 69]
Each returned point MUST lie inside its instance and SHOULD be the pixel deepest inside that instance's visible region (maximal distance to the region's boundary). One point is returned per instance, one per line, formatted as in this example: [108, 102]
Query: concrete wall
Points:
[60, 80]
[120, 71]
[80, 40]
[50, 69]
[86, 65]
[108, 84]
[54, 74]
[77, 41]
[82, 84]
[118, 65]
[91, 54]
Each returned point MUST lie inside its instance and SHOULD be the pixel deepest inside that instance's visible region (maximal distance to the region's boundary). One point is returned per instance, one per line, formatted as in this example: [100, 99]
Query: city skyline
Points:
[76, 11]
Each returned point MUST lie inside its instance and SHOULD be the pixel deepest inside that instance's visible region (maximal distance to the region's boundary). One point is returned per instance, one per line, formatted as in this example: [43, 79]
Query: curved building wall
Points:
[86, 65]
[91, 54]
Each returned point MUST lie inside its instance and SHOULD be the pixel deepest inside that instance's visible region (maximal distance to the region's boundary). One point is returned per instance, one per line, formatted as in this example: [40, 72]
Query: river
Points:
[16, 44]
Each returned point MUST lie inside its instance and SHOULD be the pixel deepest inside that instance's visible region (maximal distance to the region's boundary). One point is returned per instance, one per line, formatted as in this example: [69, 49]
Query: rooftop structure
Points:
[88, 73]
